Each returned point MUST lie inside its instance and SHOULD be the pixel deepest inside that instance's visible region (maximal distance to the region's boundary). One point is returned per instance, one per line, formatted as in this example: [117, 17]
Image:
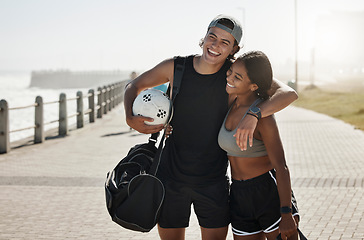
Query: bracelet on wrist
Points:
[251, 114]
[286, 209]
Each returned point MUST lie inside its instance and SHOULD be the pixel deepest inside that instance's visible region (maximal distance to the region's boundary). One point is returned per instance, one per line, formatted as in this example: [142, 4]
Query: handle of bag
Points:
[302, 237]
[177, 78]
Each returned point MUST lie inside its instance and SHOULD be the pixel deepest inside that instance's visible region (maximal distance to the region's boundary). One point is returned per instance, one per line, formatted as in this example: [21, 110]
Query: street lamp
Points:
[243, 24]
[296, 61]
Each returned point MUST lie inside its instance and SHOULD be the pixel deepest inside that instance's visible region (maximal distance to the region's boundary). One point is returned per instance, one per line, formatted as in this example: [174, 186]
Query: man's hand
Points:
[137, 123]
[245, 132]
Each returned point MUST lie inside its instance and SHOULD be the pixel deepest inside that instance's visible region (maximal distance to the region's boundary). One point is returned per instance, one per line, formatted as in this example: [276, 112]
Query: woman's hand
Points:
[137, 123]
[287, 226]
[169, 130]
[245, 131]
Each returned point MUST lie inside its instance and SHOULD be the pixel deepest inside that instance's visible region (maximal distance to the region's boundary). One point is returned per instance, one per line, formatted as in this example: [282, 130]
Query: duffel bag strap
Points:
[157, 158]
[177, 79]
[177, 75]
[153, 138]
[179, 68]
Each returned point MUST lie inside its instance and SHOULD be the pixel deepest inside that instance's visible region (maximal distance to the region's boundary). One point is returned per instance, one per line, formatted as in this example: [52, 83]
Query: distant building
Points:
[76, 79]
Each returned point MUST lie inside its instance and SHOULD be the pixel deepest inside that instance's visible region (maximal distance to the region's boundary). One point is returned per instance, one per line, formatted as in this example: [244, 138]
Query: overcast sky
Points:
[138, 34]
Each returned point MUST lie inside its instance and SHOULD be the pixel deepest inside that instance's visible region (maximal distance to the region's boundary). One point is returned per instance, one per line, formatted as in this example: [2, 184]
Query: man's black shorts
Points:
[255, 205]
[211, 205]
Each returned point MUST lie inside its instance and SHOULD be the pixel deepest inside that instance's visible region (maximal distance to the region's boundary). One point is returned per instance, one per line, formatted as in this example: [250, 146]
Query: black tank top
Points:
[192, 154]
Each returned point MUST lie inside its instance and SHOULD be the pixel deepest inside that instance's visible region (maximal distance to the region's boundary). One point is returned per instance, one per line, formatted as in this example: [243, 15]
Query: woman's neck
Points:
[245, 100]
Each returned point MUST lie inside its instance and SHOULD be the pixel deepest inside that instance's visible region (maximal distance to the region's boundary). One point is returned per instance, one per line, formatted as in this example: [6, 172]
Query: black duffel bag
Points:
[134, 195]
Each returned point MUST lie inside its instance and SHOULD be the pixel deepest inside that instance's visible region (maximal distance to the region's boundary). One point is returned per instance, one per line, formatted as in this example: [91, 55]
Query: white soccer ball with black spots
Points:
[153, 103]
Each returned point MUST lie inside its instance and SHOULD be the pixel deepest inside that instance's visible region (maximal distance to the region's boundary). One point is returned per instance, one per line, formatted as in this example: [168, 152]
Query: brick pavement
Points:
[326, 161]
[55, 190]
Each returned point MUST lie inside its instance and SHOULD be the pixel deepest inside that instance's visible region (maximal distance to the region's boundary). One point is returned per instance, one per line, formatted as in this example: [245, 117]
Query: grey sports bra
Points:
[228, 143]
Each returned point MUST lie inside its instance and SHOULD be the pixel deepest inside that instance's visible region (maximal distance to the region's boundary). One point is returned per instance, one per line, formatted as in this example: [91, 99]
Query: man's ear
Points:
[236, 49]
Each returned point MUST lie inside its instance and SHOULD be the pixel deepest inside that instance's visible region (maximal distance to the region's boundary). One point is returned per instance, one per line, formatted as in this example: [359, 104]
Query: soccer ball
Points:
[153, 103]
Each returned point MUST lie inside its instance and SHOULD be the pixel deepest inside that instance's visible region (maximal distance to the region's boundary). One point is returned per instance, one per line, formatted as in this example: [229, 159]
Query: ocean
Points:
[14, 88]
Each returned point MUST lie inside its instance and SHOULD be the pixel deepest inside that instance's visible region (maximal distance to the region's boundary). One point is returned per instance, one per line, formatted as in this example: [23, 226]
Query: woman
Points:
[193, 166]
[261, 202]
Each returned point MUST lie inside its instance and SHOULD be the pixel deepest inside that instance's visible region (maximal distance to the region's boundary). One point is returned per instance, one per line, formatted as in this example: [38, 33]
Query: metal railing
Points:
[108, 97]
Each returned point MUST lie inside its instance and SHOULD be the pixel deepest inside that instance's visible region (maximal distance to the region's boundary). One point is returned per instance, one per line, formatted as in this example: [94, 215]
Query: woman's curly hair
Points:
[259, 71]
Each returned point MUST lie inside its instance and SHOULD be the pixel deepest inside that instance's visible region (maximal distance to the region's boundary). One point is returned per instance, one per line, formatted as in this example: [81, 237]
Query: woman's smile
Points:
[229, 85]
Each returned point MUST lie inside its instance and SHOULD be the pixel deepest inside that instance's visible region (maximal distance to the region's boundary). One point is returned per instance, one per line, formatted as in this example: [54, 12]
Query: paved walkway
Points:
[55, 190]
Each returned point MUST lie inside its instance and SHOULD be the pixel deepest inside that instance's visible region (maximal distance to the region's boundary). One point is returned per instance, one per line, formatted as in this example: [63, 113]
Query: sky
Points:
[138, 34]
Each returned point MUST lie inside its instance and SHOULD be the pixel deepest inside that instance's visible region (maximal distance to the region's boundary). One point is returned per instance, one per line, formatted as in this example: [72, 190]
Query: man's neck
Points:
[203, 67]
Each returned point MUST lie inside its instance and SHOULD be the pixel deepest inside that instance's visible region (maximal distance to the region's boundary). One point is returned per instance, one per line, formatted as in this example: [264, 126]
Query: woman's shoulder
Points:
[268, 120]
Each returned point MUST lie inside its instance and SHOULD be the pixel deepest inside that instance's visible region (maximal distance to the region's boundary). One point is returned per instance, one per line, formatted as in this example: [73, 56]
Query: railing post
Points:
[4, 127]
[121, 92]
[105, 104]
[109, 97]
[113, 95]
[99, 102]
[63, 119]
[116, 90]
[79, 109]
[39, 123]
[91, 105]
[116, 94]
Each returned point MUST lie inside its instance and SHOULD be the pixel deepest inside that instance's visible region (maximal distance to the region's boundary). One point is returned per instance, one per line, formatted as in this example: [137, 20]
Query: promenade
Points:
[55, 190]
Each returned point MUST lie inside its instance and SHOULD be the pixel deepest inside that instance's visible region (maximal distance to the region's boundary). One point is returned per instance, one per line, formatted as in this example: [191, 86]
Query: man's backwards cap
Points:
[237, 30]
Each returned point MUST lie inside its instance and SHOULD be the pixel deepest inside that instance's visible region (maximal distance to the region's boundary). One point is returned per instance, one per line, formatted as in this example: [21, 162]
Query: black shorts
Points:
[255, 205]
[211, 205]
